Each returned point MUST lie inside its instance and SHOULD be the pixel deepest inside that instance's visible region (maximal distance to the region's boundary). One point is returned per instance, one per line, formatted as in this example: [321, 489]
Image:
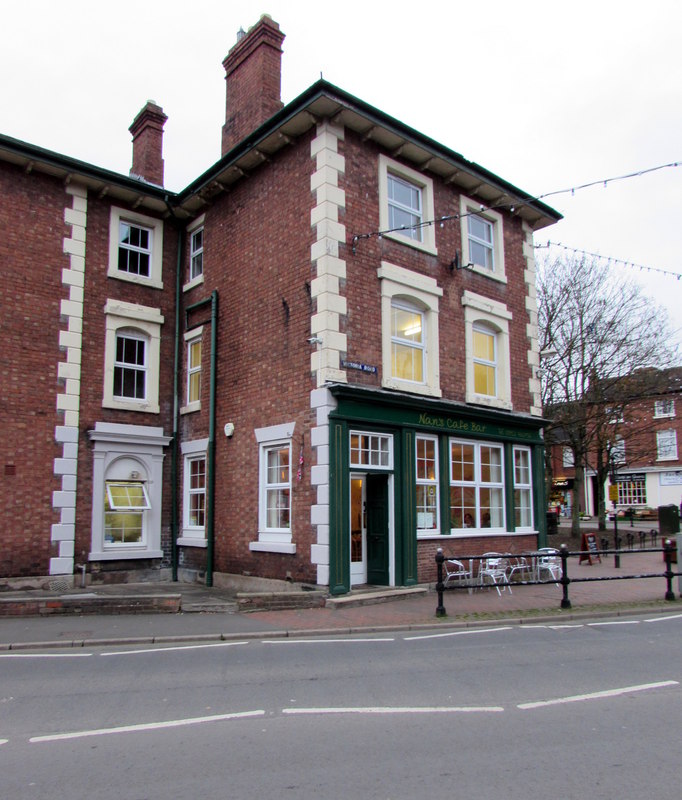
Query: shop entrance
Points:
[369, 530]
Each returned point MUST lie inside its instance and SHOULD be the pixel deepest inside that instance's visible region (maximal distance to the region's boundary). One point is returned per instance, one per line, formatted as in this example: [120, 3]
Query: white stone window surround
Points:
[191, 536]
[192, 228]
[119, 450]
[147, 322]
[118, 215]
[414, 288]
[468, 207]
[273, 541]
[664, 408]
[189, 337]
[493, 314]
[425, 184]
[666, 445]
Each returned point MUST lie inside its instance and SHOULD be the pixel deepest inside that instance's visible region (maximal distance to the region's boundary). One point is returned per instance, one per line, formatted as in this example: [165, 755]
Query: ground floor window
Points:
[632, 493]
[476, 486]
[523, 489]
[427, 484]
[124, 512]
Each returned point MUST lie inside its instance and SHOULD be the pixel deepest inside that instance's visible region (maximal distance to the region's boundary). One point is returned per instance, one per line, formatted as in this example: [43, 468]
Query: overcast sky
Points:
[547, 95]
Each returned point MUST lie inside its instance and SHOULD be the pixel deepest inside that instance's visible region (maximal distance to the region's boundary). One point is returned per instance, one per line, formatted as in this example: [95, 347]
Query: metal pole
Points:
[440, 558]
[668, 550]
[565, 580]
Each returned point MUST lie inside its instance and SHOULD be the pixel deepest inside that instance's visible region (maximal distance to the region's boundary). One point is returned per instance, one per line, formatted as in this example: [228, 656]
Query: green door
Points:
[377, 530]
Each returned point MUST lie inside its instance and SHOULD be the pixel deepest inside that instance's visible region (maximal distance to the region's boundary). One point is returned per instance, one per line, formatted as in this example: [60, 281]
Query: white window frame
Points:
[666, 450]
[155, 228]
[524, 488]
[486, 330]
[422, 292]
[373, 450]
[426, 240]
[618, 450]
[664, 408]
[130, 334]
[416, 348]
[144, 322]
[430, 485]
[480, 310]
[190, 338]
[477, 484]
[273, 540]
[469, 207]
[632, 493]
[123, 453]
[192, 535]
[567, 457]
[198, 279]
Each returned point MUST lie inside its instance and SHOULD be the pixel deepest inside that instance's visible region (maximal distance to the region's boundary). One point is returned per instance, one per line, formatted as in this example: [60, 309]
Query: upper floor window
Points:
[406, 204]
[486, 335]
[567, 457]
[427, 485]
[409, 330]
[130, 367]
[485, 360]
[482, 239]
[132, 348]
[407, 343]
[196, 254]
[618, 450]
[135, 248]
[664, 408]
[481, 250]
[666, 445]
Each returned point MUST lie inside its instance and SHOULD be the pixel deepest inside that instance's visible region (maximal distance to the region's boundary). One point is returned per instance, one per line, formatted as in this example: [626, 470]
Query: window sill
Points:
[190, 407]
[124, 555]
[273, 547]
[491, 402]
[140, 280]
[145, 408]
[188, 540]
[396, 236]
[194, 282]
[413, 388]
[494, 276]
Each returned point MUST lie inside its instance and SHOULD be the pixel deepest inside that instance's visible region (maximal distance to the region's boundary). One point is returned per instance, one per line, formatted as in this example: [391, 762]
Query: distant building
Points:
[318, 362]
[648, 465]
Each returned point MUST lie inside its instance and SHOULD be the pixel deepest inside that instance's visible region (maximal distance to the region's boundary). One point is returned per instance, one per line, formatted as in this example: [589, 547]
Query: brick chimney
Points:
[253, 71]
[147, 131]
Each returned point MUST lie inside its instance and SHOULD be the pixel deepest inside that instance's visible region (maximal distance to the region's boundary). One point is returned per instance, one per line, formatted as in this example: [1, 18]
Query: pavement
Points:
[196, 613]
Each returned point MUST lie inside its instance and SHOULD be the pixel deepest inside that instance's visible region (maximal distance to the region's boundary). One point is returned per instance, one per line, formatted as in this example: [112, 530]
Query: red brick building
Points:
[318, 362]
[644, 436]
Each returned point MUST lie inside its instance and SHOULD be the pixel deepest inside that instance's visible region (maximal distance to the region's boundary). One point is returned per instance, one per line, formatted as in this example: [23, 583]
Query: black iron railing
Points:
[564, 580]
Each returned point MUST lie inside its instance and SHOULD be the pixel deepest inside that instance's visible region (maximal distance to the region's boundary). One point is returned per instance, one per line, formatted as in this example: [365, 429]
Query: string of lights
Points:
[609, 259]
[513, 205]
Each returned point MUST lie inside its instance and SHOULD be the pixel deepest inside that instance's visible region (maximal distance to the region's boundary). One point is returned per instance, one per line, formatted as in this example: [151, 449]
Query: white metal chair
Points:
[517, 565]
[493, 567]
[548, 561]
[456, 574]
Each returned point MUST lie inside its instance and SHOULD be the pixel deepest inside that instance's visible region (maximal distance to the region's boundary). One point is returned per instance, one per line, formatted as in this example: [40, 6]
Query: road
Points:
[514, 712]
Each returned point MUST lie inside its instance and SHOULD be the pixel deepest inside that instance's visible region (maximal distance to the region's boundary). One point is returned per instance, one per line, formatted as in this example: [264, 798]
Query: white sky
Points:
[548, 95]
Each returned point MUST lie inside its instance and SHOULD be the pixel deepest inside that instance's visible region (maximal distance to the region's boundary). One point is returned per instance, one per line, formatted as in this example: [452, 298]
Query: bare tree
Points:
[601, 341]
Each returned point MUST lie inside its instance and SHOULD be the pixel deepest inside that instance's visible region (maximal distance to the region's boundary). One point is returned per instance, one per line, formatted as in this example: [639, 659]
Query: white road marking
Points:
[4, 741]
[145, 726]
[324, 641]
[577, 698]
[45, 655]
[566, 626]
[396, 710]
[614, 622]
[171, 649]
[664, 619]
[456, 633]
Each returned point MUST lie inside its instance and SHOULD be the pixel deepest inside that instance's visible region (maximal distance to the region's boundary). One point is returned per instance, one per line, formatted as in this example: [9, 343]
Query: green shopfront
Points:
[408, 475]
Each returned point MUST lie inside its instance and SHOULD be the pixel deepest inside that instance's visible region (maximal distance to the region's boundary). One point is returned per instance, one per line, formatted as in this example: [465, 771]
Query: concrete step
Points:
[372, 597]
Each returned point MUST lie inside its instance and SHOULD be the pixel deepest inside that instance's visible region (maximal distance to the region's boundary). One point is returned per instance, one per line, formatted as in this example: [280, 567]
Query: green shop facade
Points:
[408, 475]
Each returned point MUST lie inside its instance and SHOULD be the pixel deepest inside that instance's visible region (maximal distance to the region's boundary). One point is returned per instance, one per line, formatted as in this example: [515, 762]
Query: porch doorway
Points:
[369, 530]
